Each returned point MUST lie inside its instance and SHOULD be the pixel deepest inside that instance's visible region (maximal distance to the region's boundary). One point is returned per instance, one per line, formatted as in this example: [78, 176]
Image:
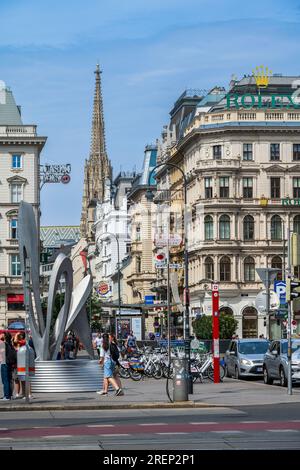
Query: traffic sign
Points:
[267, 275]
[176, 265]
[164, 240]
[149, 299]
[261, 301]
[294, 324]
[280, 289]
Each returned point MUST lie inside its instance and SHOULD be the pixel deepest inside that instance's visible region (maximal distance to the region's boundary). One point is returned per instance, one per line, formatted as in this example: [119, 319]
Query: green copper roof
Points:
[9, 111]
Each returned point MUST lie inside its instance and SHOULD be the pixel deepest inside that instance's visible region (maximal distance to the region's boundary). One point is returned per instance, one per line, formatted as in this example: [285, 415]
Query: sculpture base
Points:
[78, 375]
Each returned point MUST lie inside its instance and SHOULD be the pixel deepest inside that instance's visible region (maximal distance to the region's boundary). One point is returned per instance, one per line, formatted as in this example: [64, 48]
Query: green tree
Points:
[203, 326]
[94, 310]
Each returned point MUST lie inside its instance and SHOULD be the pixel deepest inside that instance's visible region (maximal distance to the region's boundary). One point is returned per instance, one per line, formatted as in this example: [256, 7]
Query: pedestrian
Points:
[98, 343]
[16, 382]
[108, 364]
[130, 342]
[115, 354]
[69, 347]
[76, 346]
[8, 361]
[22, 342]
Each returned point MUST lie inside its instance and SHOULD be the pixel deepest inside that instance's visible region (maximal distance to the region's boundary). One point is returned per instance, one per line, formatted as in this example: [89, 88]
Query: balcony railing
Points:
[18, 131]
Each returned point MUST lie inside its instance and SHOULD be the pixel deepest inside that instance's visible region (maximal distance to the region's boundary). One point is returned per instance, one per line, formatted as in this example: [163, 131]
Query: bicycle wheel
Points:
[135, 375]
[124, 372]
[157, 372]
[210, 372]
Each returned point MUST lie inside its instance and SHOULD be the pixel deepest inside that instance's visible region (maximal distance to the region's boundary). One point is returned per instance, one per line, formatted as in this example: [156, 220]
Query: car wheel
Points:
[236, 373]
[226, 372]
[283, 380]
[267, 379]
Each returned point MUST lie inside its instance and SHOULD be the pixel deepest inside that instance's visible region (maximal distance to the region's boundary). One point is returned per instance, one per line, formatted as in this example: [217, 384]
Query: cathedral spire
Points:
[98, 145]
[98, 167]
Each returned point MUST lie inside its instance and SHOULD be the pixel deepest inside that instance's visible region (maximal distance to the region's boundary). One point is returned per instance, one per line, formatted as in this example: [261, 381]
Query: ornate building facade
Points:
[241, 164]
[20, 148]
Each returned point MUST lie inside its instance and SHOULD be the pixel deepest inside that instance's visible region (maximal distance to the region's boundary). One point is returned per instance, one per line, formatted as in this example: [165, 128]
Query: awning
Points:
[15, 298]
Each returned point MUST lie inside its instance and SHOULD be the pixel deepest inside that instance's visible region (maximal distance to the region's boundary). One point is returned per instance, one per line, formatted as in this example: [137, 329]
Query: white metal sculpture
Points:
[73, 315]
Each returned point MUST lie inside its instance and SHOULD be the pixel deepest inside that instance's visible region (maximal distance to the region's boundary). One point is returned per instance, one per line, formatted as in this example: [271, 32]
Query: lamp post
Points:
[116, 237]
[187, 344]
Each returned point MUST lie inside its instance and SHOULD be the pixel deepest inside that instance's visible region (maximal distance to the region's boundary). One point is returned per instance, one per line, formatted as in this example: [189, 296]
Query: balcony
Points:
[18, 131]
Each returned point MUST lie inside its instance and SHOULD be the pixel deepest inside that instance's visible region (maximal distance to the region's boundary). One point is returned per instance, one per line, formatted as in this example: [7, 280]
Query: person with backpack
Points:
[8, 361]
[115, 354]
[106, 360]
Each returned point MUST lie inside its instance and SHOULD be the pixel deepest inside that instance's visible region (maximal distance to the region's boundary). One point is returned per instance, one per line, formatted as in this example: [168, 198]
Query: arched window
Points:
[225, 269]
[209, 268]
[226, 311]
[249, 269]
[224, 227]
[276, 228]
[297, 224]
[248, 227]
[277, 263]
[208, 227]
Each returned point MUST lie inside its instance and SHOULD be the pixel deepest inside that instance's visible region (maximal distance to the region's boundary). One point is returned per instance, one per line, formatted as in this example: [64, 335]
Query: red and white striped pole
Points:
[216, 332]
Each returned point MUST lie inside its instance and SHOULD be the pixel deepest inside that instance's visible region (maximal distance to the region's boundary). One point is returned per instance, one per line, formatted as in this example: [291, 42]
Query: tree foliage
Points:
[203, 326]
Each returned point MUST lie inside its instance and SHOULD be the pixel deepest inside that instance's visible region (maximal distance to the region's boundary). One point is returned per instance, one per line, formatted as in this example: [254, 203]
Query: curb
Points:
[136, 406]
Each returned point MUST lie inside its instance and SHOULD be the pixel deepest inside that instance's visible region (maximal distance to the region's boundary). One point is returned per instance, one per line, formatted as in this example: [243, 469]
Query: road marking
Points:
[282, 430]
[3, 429]
[100, 426]
[113, 435]
[253, 422]
[168, 433]
[4, 438]
[205, 422]
[57, 436]
[153, 424]
[228, 432]
[295, 420]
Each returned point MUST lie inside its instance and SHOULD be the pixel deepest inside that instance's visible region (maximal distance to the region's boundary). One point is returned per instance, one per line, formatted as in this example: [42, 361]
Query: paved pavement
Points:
[152, 393]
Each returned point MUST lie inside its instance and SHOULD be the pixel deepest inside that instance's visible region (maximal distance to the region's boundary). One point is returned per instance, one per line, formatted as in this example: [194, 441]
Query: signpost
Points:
[216, 332]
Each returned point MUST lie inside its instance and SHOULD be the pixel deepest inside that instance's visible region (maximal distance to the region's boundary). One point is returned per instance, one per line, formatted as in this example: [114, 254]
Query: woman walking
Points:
[115, 354]
[109, 366]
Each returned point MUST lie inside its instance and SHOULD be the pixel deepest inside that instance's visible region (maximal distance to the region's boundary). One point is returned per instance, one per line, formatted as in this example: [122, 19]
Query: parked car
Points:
[244, 357]
[275, 365]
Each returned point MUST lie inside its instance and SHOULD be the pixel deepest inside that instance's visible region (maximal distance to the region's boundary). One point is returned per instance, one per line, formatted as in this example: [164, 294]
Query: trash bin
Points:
[180, 379]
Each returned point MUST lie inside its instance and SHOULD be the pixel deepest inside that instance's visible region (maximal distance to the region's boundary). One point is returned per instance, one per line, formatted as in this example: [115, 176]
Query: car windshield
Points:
[295, 347]
[253, 347]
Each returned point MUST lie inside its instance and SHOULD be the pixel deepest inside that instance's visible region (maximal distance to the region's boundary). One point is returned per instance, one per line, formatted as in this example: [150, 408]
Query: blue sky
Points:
[149, 51]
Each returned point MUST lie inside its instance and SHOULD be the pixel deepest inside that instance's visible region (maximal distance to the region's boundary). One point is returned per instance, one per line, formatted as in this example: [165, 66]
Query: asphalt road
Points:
[248, 427]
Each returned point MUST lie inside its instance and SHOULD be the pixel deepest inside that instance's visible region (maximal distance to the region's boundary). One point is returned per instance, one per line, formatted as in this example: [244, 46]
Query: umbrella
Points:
[17, 325]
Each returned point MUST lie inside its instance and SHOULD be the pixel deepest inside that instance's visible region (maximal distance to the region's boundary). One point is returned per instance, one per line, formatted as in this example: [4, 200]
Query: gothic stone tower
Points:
[97, 168]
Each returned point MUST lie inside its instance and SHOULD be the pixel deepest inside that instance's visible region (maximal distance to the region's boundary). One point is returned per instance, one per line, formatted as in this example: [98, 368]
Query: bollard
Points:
[21, 363]
[180, 380]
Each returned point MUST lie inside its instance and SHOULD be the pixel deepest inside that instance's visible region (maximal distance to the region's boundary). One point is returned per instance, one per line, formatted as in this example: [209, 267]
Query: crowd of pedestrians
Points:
[13, 384]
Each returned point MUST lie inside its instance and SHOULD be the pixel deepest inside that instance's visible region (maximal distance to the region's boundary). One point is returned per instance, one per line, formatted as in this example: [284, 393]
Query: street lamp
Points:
[116, 237]
[187, 345]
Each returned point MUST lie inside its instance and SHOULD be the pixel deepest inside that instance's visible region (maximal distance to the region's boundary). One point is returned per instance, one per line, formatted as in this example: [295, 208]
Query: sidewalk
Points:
[151, 393]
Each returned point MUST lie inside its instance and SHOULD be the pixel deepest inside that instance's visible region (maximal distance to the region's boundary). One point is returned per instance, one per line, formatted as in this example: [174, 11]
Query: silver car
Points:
[276, 365]
[244, 357]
